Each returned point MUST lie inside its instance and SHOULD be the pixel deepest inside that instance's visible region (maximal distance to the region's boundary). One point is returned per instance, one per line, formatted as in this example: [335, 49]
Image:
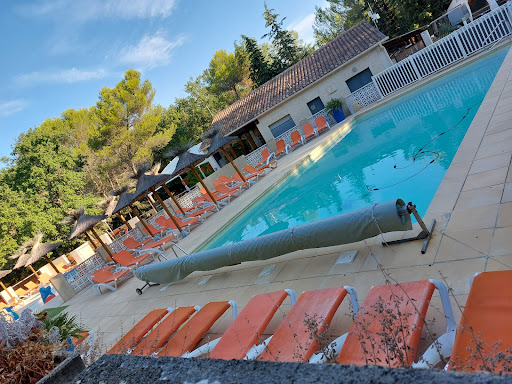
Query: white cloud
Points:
[85, 10]
[151, 51]
[63, 76]
[10, 107]
[304, 28]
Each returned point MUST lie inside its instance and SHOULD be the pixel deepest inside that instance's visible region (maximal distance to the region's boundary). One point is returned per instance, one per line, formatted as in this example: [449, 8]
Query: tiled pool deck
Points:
[473, 209]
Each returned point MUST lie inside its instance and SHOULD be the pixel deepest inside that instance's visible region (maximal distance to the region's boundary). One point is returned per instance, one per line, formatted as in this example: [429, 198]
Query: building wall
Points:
[329, 87]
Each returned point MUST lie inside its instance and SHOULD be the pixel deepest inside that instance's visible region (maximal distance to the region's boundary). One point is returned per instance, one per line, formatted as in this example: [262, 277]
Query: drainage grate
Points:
[267, 270]
[204, 280]
[346, 257]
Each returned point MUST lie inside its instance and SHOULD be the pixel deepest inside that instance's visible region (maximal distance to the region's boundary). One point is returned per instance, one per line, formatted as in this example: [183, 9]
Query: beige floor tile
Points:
[498, 137]
[488, 150]
[458, 273]
[479, 197]
[507, 116]
[502, 242]
[485, 179]
[479, 240]
[498, 127]
[355, 266]
[309, 284]
[364, 281]
[272, 275]
[319, 266]
[507, 193]
[505, 215]
[490, 163]
[244, 277]
[407, 274]
[499, 263]
[338, 280]
[459, 170]
[450, 185]
[292, 269]
[474, 218]
[451, 249]
[443, 203]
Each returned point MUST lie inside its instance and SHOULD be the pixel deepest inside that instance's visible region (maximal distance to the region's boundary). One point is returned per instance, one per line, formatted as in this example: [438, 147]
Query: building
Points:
[335, 70]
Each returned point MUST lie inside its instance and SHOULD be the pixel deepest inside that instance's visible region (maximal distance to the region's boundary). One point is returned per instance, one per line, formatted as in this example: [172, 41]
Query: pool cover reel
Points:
[337, 230]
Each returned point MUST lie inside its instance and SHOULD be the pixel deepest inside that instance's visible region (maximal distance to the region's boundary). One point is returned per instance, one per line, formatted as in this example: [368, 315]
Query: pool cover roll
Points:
[337, 230]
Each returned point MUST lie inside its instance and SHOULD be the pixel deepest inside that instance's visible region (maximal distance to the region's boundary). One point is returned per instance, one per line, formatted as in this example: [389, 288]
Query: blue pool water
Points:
[374, 162]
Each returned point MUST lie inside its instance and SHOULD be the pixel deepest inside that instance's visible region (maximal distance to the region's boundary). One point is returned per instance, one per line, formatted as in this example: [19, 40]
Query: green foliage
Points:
[329, 21]
[67, 325]
[333, 104]
[260, 71]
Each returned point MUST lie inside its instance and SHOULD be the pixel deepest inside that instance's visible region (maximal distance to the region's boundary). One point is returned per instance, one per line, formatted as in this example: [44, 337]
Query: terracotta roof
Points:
[327, 58]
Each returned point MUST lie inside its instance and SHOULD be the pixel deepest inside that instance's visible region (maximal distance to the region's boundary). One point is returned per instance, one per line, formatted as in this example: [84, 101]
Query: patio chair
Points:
[258, 172]
[156, 247]
[387, 328]
[292, 341]
[21, 293]
[483, 340]
[163, 331]
[309, 131]
[185, 225]
[131, 243]
[266, 156]
[282, 148]
[321, 124]
[246, 330]
[230, 182]
[231, 191]
[251, 179]
[44, 278]
[127, 260]
[157, 233]
[194, 330]
[104, 276]
[200, 213]
[296, 139]
[134, 335]
[31, 286]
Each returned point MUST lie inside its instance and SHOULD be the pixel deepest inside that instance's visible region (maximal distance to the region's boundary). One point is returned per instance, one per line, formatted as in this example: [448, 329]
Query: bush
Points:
[333, 104]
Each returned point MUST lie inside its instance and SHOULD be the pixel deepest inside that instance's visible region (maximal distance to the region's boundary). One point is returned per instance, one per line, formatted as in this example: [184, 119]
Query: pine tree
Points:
[329, 21]
[260, 71]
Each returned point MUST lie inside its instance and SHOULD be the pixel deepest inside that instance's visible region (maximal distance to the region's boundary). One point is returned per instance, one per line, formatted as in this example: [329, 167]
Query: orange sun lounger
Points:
[282, 148]
[397, 310]
[321, 124]
[131, 243]
[309, 131]
[246, 329]
[126, 259]
[484, 338]
[292, 340]
[265, 158]
[104, 276]
[185, 225]
[296, 139]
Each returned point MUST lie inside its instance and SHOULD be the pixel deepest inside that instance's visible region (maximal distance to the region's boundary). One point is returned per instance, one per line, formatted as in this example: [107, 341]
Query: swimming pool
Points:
[394, 151]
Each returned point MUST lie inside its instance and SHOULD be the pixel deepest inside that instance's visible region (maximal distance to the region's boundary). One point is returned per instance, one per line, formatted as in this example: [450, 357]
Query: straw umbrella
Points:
[2, 275]
[188, 161]
[82, 223]
[110, 203]
[218, 144]
[37, 251]
[147, 183]
[154, 171]
[126, 200]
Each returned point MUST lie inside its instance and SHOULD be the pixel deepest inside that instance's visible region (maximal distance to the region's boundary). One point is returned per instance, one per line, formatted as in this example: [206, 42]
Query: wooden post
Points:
[5, 288]
[105, 246]
[152, 202]
[93, 244]
[51, 263]
[33, 270]
[204, 186]
[232, 151]
[173, 198]
[142, 221]
[251, 141]
[241, 142]
[233, 164]
[125, 222]
[171, 216]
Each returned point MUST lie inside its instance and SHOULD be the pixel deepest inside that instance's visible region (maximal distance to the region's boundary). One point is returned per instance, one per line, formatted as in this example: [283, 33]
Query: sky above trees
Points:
[58, 54]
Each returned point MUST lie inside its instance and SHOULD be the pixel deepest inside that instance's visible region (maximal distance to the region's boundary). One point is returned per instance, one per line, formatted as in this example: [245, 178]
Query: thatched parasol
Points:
[37, 251]
[188, 161]
[112, 201]
[82, 223]
[4, 273]
[218, 143]
[147, 183]
[126, 200]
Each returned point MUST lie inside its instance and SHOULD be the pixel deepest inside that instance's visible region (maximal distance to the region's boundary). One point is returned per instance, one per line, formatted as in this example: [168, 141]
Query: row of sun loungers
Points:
[296, 137]
[387, 310]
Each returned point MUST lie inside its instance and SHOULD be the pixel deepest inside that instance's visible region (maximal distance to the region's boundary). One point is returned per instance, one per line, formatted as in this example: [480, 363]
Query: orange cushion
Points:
[292, 341]
[485, 325]
[249, 325]
[194, 330]
[378, 315]
[138, 331]
[159, 336]
[104, 275]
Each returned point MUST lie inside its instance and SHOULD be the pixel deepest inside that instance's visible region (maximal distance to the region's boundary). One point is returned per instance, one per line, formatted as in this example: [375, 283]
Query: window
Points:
[316, 105]
[282, 125]
[359, 80]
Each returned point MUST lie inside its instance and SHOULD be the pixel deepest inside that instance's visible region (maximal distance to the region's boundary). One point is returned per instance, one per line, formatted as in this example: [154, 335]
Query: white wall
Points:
[329, 87]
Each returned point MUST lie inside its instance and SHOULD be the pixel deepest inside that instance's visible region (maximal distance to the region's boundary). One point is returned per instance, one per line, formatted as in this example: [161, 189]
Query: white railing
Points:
[255, 157]
[363, 97]
[483, 32]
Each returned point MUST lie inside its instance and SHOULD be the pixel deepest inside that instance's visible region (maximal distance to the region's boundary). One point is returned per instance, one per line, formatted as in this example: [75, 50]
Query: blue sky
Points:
[58, 54]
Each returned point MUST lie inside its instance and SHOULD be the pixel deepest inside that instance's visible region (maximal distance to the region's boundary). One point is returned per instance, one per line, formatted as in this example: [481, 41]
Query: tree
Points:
[329, 21]
[286, 53]
[124, 132]
[228, 72]
[260, 71]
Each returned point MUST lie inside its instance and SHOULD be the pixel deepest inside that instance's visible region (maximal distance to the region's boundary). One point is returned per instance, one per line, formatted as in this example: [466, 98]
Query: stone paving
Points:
[473, 209]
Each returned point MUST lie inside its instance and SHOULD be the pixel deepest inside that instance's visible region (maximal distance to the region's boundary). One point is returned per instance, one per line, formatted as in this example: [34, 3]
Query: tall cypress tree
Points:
[260, 71]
